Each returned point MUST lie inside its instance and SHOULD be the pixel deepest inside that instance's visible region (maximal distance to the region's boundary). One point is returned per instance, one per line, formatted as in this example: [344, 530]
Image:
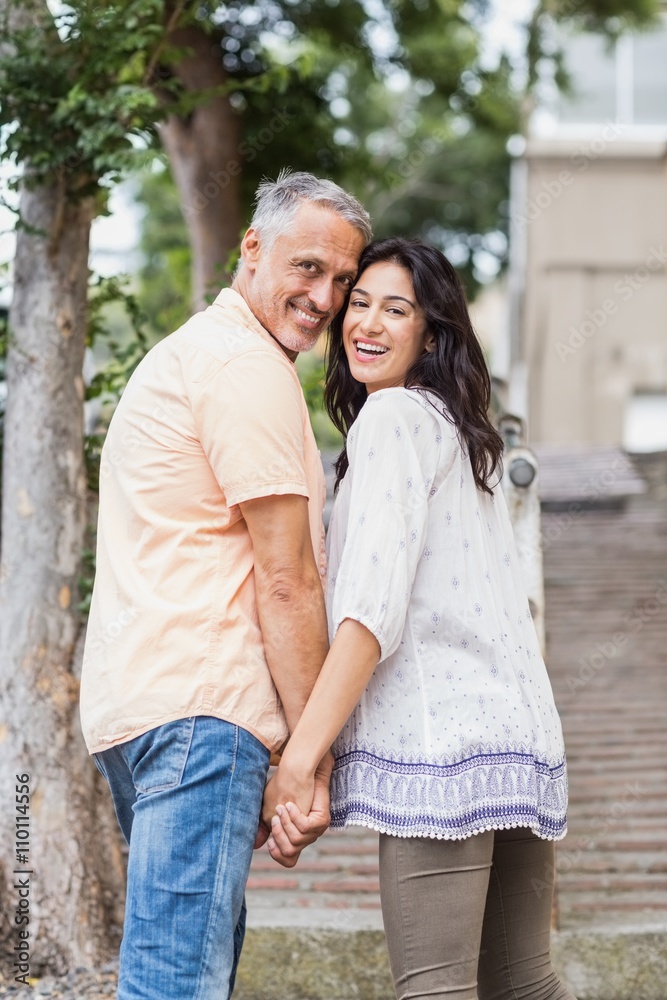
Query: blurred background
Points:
[526, 140]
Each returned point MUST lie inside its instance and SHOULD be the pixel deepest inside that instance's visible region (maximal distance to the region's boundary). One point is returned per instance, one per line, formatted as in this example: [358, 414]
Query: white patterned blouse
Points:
[457, 731]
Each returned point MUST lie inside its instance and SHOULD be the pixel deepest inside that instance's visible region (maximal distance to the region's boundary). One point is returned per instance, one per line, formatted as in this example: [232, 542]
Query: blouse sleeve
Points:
[394, 449]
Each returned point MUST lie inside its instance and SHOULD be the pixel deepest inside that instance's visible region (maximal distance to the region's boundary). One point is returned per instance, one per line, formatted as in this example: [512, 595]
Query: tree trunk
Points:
[73, 865]
[206, 161]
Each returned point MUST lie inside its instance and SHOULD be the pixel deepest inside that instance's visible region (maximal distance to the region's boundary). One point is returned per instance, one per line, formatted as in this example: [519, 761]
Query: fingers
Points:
[281, 847]
[287, 861]
[285, 834]
[304, 829]
[293, 821]
[291, 828]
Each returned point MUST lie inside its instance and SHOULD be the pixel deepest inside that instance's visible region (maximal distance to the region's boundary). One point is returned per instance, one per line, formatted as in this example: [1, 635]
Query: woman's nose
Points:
[371, 322]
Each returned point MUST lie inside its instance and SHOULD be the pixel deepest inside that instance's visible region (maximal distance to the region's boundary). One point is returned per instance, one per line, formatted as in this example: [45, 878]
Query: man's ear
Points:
[251, 248]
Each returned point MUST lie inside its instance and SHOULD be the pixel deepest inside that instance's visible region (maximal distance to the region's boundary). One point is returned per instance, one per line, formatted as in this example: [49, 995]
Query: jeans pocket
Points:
[157, 758]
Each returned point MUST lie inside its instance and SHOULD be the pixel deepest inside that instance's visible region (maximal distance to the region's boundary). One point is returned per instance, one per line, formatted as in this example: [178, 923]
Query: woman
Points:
[434, 692]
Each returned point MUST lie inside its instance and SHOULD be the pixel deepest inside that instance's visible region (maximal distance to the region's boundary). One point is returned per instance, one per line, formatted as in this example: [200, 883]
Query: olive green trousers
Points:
[469, 919]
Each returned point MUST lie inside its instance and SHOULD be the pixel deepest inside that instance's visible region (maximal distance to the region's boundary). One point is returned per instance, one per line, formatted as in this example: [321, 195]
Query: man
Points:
[207, 626]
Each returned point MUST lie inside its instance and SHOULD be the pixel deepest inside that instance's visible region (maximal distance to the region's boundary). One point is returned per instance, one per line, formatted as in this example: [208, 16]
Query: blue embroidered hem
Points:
[489, 791]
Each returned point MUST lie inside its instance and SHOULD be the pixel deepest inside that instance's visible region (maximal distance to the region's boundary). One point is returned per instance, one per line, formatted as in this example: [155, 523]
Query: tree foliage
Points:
[164, 290]
[97, 90]
[76, 94]
[390, 100]
[397, 107]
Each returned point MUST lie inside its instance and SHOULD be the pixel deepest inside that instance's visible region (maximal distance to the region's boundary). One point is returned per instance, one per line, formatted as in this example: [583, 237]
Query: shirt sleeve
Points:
[394, 449]
[250, 421]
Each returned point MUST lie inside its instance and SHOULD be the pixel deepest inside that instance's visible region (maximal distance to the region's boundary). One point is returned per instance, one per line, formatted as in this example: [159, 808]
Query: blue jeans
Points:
[187, 796]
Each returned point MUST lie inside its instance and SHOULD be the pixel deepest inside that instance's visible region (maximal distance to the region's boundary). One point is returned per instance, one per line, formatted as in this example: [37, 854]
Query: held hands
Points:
[295, 811]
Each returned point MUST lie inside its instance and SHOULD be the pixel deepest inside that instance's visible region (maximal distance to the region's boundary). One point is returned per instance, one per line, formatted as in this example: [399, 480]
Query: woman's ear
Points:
[429, 343]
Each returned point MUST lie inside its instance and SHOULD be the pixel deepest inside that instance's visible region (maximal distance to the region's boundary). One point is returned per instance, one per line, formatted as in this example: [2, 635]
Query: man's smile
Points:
[308, 318]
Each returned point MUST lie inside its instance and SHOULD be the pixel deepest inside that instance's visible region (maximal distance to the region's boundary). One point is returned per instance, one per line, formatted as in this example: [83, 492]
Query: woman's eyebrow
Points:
[386, 298]
[399, 298]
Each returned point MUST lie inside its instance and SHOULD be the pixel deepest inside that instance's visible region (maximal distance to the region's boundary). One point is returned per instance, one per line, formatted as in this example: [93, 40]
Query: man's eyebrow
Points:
[386, 298]
[316, 259]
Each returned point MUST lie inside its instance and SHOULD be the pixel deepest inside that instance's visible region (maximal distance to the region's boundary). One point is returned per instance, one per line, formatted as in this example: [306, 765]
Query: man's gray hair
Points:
[277, 202]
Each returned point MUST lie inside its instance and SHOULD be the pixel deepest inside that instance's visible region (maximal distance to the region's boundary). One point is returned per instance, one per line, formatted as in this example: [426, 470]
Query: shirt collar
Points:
[231, 301]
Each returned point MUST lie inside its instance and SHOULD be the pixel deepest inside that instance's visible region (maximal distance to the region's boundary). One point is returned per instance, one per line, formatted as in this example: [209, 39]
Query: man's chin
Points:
[309, 342]
[297, 339]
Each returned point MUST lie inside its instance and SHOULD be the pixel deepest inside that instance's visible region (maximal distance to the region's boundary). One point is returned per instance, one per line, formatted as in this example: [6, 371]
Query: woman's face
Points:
[384, 330]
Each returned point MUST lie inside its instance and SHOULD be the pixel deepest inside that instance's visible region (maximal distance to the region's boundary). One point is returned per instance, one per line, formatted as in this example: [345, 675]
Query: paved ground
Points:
[606, 577]
[606, 598]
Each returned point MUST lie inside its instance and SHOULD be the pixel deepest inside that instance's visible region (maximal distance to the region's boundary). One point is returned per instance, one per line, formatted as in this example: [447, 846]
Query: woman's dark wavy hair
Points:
[455, 371]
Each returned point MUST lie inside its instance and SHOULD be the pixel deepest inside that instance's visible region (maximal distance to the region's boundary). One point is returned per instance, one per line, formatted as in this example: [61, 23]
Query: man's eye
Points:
[308, 265]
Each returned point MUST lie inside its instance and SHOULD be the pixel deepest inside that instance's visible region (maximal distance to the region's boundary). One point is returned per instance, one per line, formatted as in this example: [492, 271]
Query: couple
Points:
[208, 647]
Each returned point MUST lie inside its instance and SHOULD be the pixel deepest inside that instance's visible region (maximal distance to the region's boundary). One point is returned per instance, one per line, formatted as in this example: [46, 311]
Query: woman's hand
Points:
[286, 786]
[291, 827]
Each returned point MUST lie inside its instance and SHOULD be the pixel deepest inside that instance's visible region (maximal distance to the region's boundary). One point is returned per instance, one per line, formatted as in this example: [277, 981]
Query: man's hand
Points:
[292, 829]
[263, 834]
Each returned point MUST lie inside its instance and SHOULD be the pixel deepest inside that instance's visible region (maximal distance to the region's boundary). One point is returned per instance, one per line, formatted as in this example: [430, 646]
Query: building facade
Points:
[588, 275]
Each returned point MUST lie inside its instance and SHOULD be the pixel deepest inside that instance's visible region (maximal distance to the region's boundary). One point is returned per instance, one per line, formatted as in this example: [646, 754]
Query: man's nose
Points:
[321, 294]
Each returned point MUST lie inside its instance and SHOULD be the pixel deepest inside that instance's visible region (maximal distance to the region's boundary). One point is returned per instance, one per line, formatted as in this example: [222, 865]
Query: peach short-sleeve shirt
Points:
[214, 415]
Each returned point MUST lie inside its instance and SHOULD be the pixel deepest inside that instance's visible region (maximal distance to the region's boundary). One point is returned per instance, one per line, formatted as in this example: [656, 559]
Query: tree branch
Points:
[170, 26]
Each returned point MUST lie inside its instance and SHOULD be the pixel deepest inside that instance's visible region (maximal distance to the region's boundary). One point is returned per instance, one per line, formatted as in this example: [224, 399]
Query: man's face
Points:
[296, 286]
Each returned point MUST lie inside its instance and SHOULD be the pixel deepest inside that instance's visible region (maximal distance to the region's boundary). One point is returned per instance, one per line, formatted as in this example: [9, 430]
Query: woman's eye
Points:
[357, 302]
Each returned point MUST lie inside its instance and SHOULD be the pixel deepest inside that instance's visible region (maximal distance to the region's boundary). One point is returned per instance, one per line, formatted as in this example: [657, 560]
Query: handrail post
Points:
[520, 485]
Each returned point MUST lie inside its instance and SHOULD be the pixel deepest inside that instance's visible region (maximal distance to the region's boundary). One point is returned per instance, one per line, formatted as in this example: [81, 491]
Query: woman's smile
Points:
[368, 350]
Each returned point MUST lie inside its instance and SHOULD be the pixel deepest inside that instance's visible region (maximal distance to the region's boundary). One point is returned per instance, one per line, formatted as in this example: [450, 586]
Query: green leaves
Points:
[77, 88]
[111, 379]
[88, 86]
[607, 16]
